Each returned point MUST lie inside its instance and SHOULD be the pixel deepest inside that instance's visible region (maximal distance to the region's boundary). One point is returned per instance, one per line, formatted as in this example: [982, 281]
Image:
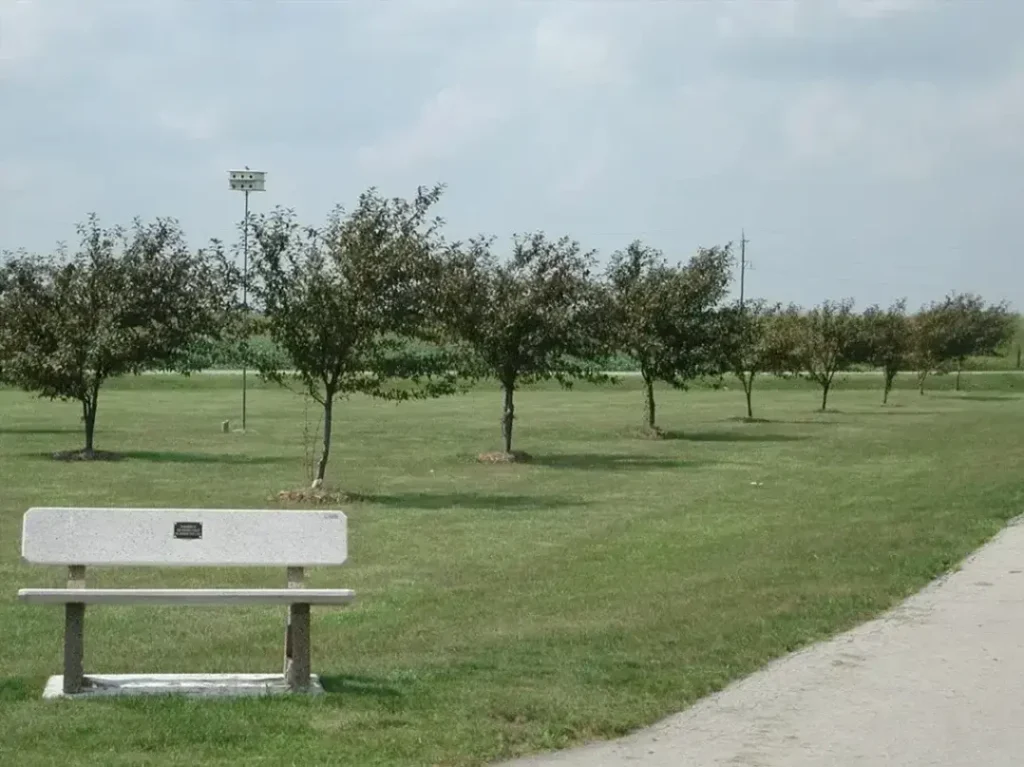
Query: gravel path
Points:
[939, 681]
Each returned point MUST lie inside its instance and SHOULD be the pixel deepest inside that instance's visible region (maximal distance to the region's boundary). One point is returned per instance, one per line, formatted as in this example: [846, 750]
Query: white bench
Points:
[80, 538]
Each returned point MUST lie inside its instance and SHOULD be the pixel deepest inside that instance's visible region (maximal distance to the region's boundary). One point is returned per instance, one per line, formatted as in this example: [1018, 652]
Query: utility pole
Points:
[743, 264]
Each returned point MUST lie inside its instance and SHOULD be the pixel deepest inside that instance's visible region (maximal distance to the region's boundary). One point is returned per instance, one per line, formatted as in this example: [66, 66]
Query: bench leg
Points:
[74, 645]
[296, 667]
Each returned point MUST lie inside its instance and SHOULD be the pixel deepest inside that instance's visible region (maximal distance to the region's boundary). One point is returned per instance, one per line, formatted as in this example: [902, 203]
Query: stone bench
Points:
[91, 537]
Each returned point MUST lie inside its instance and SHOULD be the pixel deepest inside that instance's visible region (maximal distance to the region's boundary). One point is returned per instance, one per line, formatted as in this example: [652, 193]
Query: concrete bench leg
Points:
[297, 660]
[74, 645]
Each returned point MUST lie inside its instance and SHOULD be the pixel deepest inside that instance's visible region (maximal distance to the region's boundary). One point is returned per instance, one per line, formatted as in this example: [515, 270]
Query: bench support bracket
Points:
[296, 638]
[74, 635]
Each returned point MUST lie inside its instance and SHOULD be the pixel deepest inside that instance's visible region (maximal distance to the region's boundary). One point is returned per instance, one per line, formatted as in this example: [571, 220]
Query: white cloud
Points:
[449, 121]
[574, 53]
[820, 124]
[878, 9]
[190, 124]
[768, 18]
[586, 169]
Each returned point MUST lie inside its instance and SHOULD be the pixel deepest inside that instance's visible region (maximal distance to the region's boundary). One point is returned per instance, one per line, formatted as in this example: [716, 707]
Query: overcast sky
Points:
[871, 149]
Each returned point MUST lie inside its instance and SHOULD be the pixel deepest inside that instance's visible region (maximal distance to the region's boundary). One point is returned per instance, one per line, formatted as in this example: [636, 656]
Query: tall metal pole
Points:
[245, 300]
[246, 181]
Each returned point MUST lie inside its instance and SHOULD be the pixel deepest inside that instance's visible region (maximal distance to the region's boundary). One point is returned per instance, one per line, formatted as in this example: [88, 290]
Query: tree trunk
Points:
[888, 387]
[321, 466]
[649, 407]
[959, 367]
[748, 389]
[824, 394]
[508, 415]
[89, 416]
[920, 381]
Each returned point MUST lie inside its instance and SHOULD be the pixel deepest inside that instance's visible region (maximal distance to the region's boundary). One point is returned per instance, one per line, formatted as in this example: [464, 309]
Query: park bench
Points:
[85, 537]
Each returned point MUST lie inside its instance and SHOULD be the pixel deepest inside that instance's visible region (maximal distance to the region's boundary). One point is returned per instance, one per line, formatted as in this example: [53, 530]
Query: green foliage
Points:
[825, 341]
[125, 302]
[949, 331]
[664, 316]
[754, 342]
[887, 341]
[537, 316]
[341, 301]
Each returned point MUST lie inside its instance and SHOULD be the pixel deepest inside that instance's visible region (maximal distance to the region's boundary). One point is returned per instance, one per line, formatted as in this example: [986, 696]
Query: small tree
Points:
[126, 301]
[343, 301]
[826, 343]
[665, 316]
[960, 326]
[536, 316]
[755, 343]
[888, 341]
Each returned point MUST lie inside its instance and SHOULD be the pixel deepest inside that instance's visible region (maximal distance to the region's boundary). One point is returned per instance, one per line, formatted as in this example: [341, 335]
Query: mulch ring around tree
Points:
[317, 496]
[85, 455]
[652, 432]
[516, 456]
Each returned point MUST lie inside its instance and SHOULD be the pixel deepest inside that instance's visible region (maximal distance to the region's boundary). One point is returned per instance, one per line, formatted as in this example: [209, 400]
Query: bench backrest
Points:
[183, 537]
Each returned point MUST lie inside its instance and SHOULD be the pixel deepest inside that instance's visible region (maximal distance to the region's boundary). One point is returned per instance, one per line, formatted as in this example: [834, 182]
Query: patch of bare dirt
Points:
[317, 496]
[648, 432]
[516, 456]
[86, 455]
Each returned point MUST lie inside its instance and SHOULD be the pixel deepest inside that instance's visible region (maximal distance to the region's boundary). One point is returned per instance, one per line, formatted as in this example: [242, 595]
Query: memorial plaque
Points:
[189, 531]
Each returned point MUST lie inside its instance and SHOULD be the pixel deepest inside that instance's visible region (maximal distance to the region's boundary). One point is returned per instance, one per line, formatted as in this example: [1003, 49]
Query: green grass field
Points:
[502, 609]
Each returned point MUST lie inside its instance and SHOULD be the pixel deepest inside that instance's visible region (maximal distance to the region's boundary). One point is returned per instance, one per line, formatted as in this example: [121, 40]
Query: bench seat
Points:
[186, 597]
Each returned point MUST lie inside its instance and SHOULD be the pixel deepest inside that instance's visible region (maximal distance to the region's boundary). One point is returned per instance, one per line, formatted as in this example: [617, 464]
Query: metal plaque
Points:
[189, 531]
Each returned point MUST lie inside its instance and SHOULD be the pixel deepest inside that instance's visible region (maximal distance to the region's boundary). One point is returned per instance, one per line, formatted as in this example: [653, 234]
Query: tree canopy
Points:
[343, 301]
[754, 343]
[887, 341]
[959, 326]
[826, 340]
[126, 301]
[537, 315]
[664, 316]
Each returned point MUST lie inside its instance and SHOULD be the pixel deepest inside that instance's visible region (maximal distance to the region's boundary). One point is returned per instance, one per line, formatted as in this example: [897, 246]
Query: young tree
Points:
[536, 316]
[959, 326]
[343, 301]
[888, 341]
[826, 343]
[755, 343]
[665, 316]
[126, 301]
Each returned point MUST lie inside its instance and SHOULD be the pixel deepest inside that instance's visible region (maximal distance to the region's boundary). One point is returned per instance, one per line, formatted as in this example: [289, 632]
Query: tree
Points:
[126, 301]
[343, 302]
[664, 316]
[888, 341]
[755, 344]
[826, 342]
[536, 316]
[959, 326]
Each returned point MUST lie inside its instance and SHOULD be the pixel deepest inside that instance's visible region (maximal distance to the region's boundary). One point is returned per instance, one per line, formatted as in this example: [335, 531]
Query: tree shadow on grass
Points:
[238, 459]
[434, 501]
[16, 690]
[362, 686]
[982, 397]
[29, 430]
[612, 462]
[886, 412]
[730, 436]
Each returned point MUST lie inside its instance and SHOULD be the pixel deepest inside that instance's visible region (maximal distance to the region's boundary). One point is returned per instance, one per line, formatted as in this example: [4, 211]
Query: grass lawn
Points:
[501, 609]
